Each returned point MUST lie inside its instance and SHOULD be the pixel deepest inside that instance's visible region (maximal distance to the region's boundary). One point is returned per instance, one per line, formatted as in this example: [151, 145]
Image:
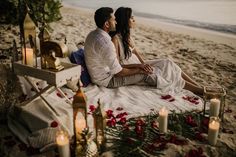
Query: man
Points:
[101, 59]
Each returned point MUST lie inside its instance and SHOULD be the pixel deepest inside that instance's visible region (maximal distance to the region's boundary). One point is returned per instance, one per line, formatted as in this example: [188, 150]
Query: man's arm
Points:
[128, 72]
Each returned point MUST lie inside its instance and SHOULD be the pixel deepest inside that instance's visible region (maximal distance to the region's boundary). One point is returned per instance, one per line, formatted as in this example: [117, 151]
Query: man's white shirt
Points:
[100, 57]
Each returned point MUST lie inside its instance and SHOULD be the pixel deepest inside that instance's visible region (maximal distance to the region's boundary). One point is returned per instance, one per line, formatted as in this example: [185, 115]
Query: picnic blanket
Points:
[33, 124]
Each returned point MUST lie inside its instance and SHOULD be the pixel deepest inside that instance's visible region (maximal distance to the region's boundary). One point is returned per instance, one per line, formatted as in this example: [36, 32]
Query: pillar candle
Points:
[62, 141]
[213, 131]
[214, 107]
[80, 125]
[29, 56]
[163, 120]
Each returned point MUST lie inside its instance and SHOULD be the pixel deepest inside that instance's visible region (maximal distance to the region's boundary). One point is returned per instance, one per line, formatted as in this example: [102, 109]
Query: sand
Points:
[207, 56]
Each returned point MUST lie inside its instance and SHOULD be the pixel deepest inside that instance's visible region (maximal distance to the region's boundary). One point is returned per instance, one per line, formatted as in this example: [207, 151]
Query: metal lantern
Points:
[29, 42]
[79, 108]
[214, 97]
[99, 125]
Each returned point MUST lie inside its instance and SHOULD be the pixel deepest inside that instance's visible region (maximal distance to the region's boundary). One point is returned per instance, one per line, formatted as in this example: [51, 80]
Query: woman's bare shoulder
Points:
[115, 38]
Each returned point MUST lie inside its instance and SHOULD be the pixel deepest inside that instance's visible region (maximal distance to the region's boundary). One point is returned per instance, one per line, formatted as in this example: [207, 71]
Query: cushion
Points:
[77, 57]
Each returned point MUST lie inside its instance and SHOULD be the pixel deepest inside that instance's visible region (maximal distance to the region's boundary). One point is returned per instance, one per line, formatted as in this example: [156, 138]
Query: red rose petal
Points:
[59, 95]
[171, 100]
[54, 124]
[119, 108]
[165, 97]
[92, 108]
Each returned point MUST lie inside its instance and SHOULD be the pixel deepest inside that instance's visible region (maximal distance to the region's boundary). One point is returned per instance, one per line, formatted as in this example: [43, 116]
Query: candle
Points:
[80, 124]
[99, 137]
[213, 131]
[28, 54]
[163, 120]
[214, 107]
[62, 141]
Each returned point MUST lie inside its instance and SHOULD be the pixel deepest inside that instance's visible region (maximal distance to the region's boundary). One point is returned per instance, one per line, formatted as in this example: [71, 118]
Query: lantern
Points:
[216, 101]
[100, 124]
[80, 111]
[29, 42]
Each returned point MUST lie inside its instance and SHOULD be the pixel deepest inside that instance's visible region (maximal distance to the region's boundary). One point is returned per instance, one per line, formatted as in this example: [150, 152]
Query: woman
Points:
[170, 77]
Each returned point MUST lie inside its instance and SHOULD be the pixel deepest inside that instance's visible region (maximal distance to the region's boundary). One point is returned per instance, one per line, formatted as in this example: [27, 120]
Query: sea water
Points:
[218, 15]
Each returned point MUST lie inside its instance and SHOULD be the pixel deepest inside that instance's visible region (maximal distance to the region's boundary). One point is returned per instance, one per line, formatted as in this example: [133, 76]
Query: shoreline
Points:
[200, 33]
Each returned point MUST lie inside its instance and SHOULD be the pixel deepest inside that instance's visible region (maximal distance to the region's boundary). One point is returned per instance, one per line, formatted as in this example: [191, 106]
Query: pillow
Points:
[77, 57]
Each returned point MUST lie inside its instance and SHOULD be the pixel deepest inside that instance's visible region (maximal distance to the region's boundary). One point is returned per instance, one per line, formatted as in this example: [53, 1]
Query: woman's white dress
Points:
[169, 79]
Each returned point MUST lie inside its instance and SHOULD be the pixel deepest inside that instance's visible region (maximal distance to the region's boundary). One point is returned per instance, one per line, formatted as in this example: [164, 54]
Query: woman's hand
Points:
[147, 68]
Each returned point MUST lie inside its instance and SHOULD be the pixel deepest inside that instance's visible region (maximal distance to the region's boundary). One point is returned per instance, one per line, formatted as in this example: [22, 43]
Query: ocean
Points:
[217, 15]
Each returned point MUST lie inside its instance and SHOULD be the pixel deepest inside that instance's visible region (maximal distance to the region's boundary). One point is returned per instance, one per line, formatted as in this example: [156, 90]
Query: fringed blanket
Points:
[135, 100]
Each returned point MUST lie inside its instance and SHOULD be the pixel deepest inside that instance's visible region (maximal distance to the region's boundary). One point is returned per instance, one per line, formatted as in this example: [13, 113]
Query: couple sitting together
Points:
[113, 61]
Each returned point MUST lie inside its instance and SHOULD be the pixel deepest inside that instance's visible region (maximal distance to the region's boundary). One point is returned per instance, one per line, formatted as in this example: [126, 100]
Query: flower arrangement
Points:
[141, 136]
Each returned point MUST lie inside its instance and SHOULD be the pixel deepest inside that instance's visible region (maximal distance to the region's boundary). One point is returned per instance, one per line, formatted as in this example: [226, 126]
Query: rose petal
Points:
[54, 124]
[171, 100]
[59, 95]
[165, 97]
[119, 108]
[92, 108]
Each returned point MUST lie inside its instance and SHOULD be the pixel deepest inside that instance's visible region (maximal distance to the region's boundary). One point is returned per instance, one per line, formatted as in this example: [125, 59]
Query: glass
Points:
[214, 93]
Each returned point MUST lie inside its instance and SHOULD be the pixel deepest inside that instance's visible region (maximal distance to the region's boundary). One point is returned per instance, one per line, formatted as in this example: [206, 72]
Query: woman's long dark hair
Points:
[123, 15]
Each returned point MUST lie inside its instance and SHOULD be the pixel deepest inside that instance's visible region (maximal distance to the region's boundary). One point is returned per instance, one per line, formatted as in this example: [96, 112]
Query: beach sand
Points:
[209, 58]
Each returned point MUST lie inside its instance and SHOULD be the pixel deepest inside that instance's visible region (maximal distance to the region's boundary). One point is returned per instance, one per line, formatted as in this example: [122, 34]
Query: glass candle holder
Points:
[216, 98]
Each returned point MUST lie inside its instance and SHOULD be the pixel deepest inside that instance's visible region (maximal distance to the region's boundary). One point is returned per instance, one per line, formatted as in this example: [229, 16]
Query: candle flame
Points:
[163, 109]
[213, 122]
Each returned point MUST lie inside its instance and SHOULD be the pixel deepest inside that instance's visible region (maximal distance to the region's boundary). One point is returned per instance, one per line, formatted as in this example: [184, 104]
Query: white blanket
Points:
[32, 124]
[139, 100]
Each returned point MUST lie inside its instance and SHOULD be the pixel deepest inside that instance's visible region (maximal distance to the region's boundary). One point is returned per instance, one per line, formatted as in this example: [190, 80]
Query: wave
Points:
[224, 28]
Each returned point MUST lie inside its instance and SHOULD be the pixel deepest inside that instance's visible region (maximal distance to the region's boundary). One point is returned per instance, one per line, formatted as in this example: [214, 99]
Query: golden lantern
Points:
[29, 42]
[80, 113]
[99, 116]
[216, 101]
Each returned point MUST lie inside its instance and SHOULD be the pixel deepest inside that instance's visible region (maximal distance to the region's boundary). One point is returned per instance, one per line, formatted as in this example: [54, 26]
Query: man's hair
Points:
[102, 15]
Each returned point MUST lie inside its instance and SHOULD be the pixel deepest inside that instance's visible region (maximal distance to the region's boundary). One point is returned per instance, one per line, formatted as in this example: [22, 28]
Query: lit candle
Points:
[163, 120]
[62, 140]
[213, 131]
[99, 137]
[29, 56]
[80, 124]
[214, 107]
